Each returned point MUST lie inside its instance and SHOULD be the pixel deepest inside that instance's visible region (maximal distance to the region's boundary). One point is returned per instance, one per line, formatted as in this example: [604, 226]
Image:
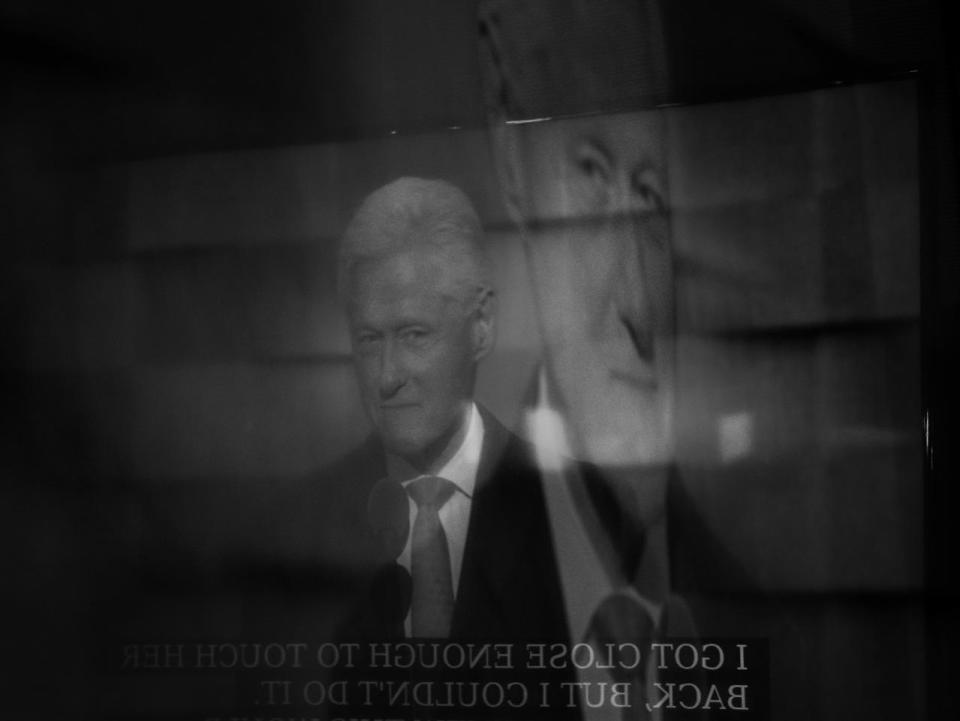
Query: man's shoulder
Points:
[509, 587]
[504, 451]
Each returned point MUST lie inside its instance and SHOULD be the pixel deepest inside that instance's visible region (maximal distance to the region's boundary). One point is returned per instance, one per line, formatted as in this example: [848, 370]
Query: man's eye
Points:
[592, 164]
[364, 342]
[413, 335]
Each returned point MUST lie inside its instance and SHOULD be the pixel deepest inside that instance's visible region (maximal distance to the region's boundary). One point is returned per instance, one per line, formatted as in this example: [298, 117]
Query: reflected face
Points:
[594, 197]
[415, 353]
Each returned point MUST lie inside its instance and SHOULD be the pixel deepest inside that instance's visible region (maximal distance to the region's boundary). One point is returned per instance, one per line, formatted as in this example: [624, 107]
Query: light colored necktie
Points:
[431, 608]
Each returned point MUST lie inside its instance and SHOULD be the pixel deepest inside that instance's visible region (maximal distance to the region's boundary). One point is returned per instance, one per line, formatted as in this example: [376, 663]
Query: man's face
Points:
[593, 193]
[415, 352]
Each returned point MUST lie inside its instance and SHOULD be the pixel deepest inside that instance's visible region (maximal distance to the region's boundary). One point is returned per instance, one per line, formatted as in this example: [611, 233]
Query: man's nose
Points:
[392, 376]
[642, 231]
[629, 194]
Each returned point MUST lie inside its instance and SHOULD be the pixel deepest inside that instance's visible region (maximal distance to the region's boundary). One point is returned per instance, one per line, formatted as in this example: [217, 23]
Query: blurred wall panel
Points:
[748, 265]
[799, 357]
[238, 420]
[73, 315]
[239, 303]
[735, 153]
[754, 182]
[297, 195]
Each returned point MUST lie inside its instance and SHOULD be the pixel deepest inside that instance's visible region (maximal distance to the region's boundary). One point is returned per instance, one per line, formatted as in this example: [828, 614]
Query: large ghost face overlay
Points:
[592, 193]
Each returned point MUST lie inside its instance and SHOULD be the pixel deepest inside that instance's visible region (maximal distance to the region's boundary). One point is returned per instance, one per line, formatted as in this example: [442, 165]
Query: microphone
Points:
[393, 591]
[388, 513]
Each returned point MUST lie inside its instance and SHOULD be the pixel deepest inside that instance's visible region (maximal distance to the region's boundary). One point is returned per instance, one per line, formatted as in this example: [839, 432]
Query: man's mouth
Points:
[637, 371]
[642, 340]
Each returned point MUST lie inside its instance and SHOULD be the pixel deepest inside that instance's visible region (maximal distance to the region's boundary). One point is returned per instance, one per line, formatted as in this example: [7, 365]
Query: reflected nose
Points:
[392, 377]
[638, 229]
[635, 195]
[625, 201]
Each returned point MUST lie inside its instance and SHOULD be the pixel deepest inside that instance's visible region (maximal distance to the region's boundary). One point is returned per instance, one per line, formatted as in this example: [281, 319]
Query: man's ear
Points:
[484, 324]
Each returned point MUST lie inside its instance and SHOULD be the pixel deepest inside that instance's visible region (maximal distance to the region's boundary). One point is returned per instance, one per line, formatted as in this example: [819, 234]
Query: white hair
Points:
[414, 213]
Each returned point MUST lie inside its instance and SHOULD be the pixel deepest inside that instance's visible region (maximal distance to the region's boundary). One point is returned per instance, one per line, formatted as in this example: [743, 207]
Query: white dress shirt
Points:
[461, 471]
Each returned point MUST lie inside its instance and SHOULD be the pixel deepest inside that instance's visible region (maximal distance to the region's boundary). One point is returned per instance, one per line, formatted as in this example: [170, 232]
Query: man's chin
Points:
[622, 453]
[403, 446]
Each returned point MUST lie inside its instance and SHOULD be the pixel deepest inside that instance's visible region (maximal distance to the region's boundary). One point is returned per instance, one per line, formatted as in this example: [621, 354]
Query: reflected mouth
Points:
[644, 379]
[396, 406]
[642, 340]
[642, 374]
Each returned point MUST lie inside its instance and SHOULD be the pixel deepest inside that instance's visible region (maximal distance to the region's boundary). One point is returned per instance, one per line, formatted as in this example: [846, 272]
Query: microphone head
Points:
[389, 516]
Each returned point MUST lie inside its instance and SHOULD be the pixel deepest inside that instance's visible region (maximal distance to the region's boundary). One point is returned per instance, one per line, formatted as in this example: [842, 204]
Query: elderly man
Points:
[587, 186]
[454, 498]
[590, 197]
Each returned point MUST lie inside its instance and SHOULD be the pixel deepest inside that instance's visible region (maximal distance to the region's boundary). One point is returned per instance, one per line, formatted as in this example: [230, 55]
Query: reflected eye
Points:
[592, 162]
[413, 336]
[364, 342]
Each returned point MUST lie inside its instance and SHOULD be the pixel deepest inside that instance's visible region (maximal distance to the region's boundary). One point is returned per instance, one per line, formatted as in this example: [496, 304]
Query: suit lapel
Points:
[509, 585]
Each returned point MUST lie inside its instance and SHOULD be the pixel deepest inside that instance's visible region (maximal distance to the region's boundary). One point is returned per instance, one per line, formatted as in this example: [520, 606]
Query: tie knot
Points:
[430, 491]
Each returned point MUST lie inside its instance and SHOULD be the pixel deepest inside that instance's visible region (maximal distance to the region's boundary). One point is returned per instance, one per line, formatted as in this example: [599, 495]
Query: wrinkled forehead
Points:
[416, 277]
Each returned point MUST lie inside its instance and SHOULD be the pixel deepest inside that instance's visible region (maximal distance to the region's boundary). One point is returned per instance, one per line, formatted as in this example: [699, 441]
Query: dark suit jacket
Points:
[509, 586]
[509, 589]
